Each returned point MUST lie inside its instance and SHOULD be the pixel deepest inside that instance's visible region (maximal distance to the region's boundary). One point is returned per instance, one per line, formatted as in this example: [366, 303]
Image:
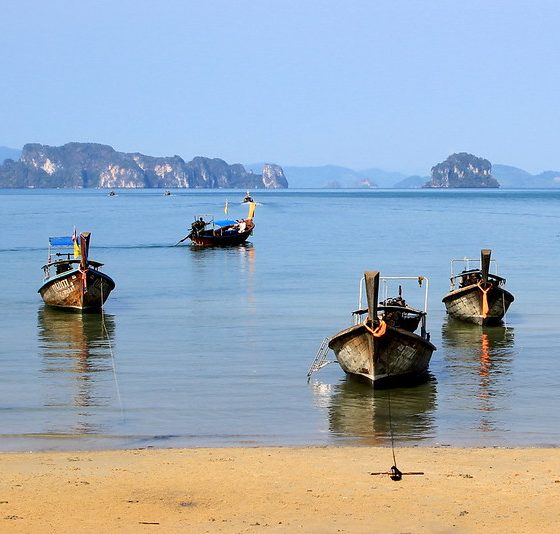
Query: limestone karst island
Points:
[462, 171]
[93, 165]
[83, 165]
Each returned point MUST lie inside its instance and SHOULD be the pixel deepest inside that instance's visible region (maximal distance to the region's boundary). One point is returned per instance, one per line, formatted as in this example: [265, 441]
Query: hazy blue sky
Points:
[396, 84]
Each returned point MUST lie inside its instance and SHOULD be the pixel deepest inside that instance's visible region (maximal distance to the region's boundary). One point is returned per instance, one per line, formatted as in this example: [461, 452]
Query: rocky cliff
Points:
[84, 165]
[461, 171]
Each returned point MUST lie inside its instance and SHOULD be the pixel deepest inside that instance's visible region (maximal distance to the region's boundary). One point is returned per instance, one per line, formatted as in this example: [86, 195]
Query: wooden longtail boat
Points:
[71, 279]
[383, 349]
[208, 232]
[476, 295]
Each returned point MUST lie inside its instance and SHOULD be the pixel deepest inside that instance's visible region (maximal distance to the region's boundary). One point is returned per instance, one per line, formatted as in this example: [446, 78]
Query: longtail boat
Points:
[209, 232]
[384, 349]
[71, 279]
[477, 295]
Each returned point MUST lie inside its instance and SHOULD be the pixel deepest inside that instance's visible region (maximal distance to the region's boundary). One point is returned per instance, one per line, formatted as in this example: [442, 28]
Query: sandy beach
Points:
[328, 489]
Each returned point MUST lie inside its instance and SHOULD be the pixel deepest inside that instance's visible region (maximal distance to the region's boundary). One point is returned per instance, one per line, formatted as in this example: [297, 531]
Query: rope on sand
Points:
[395, 473]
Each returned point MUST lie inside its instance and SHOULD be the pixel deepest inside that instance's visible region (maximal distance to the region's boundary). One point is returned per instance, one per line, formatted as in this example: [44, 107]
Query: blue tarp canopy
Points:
[61, 241]
[224, 222]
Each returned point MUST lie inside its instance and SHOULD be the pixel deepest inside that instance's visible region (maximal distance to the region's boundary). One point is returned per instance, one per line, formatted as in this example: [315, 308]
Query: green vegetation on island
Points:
[462, 170]
[92, 165]
[83, 165]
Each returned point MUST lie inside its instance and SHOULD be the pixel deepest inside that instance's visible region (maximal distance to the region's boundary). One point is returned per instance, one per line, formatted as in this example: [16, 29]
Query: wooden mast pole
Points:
[485, 263]
[84, 250]
[372, 294]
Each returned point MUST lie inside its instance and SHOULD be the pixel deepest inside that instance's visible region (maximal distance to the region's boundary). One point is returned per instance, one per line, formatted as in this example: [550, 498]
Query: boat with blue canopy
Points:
[209, 232]
[72, 280]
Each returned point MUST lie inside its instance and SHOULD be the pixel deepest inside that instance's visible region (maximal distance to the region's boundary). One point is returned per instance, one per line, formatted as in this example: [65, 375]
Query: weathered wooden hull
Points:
[210, 239]
[399, 355]
[67, 290]
[465, 304]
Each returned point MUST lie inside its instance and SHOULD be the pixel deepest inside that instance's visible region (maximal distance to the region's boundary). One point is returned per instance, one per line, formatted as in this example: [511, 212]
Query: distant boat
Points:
[71, 279]
[476, 295]
[248, 198]
[112, 194]
[209, 232]
[167, 193]
[383, 349]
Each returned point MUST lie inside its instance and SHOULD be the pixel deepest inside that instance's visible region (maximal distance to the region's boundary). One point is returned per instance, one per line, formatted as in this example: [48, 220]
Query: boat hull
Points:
[465, 304]
[67, 290]
[212, 239]
[397, 356]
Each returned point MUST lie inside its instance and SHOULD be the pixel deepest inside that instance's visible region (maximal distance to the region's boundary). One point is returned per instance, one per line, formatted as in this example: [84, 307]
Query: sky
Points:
[393, 84]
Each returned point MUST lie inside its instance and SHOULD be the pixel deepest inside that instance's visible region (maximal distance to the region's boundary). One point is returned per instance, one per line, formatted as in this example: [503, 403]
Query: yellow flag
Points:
[251, 213]
[226, 207]
[76, 246]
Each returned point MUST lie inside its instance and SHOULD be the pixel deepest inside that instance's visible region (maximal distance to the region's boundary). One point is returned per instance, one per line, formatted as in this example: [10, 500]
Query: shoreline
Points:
[281, 489]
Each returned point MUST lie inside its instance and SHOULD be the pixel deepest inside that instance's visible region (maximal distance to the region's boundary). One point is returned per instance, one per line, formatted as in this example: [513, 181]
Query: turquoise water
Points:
[211, 347]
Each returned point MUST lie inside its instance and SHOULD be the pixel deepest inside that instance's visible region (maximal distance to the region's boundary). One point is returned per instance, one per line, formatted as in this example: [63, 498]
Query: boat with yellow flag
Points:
[209, 232]
[477, 295]
[71, 279]
[383, 349]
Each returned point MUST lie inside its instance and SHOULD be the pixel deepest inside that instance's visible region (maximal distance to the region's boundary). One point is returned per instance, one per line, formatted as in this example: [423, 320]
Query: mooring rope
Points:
[111, 352]
[395, 473]
[391, 428]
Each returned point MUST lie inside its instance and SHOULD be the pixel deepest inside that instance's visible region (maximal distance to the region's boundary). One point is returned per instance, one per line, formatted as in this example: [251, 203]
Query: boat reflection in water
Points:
[236, 267]
[241, 257]
[480, 360]
[359, 412]
[77, 367]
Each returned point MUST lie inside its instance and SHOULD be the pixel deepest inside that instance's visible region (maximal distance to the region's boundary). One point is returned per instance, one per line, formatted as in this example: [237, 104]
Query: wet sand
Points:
[321, 490]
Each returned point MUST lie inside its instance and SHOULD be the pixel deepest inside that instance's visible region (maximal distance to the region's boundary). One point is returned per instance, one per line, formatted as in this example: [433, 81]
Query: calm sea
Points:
[211, 347]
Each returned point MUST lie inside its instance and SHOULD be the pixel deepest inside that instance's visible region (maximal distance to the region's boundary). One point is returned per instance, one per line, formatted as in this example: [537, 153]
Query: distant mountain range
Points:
[512, 177]
[333, 176]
